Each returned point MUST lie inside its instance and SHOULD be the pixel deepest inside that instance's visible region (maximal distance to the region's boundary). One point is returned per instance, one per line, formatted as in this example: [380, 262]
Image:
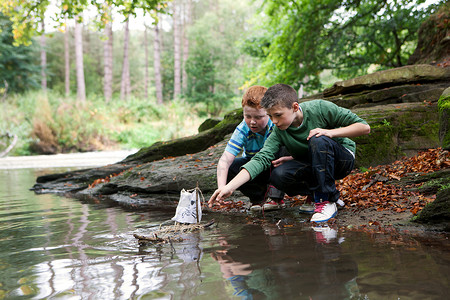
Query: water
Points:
[52, 247]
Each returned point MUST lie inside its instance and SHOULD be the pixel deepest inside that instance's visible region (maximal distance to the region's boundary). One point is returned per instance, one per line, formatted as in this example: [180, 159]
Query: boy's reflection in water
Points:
[275, 263]
[246, 282]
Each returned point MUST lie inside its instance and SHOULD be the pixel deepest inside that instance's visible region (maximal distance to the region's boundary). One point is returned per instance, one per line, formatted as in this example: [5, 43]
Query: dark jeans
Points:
[256, 189]
[327, 161]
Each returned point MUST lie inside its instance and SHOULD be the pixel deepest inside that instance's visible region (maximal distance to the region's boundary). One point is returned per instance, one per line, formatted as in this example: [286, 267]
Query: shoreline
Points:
[79, 159]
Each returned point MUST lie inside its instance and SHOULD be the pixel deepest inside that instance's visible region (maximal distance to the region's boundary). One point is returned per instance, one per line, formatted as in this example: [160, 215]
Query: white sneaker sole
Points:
[323, 220]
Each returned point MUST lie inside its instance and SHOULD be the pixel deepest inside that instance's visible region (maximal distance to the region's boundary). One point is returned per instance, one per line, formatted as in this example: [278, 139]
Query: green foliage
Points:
[348, 37]
[215, 65]
[444, 102]
[27, 15]
[72, 126]
[363, 169]
[18, 70]
[437, 184]
[203, 80]
[386, 123]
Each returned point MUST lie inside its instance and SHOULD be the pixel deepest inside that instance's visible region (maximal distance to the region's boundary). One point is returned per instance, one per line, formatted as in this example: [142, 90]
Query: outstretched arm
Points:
[223, 166]
[224, 192]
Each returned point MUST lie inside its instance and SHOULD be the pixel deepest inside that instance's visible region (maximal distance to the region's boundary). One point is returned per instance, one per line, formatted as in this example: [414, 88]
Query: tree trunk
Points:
[176, 51]
[108, 63]
[66, 61]
[81, 88]
[146, 63]
[186, 20]
[125, 83]
[43, 59]
[157, 65]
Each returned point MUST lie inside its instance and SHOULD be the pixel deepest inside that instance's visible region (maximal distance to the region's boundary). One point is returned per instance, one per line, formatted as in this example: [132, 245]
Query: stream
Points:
[54, 247]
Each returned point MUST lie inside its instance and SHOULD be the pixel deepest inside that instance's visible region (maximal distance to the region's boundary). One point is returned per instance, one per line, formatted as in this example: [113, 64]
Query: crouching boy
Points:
[317, 134]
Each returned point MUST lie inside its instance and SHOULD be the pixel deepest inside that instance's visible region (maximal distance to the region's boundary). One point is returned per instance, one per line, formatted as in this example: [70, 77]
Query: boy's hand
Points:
[319, 132]
[219, 195]
[278, 162]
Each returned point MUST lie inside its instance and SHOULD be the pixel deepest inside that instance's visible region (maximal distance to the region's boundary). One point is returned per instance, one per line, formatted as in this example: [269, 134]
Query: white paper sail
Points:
[188, 207]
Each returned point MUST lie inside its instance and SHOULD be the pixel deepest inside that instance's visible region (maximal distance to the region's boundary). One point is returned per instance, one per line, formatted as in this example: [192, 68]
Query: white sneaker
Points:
[307, 208]
[324, 211]
[273, 205]
[255, 208]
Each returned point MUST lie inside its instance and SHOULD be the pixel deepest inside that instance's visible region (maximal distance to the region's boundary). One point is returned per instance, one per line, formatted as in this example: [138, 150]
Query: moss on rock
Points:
[444, 119]
[437, 212]
[396, 130]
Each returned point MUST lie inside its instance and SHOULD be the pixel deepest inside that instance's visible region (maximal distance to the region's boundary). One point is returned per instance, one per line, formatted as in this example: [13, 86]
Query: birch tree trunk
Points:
[186, 21]
[176, 51]
[81, 87]
[66, 61]
[157, 65]
[125, 82]
[43, 59]
[146, 63]
[108, 63]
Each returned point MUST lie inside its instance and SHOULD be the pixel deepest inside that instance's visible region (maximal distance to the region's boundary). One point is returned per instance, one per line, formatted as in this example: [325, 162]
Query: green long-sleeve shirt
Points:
[316, 114]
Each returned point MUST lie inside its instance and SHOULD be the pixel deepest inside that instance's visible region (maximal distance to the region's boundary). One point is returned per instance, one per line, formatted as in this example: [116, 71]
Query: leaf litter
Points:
[376, 186]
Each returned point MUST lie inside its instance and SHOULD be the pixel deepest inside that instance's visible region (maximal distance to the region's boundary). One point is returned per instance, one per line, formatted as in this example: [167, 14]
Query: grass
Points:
[66, 125]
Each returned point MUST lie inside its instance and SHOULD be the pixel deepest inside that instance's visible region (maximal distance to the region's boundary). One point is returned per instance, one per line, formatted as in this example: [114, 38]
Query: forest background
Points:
[95, 75]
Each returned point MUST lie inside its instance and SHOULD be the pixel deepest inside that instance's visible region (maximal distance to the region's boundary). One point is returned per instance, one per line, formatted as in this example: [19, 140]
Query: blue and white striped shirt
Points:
[243, 139]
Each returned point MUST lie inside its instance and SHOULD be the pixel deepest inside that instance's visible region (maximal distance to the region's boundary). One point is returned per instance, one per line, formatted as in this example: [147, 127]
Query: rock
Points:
[208, 124]
[444, 119]
[413, 74]
[437, 212]
[397, 130]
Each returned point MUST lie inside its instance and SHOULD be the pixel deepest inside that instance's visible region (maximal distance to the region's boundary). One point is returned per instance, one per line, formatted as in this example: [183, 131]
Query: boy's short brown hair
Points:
[252, 97]
[280, 93]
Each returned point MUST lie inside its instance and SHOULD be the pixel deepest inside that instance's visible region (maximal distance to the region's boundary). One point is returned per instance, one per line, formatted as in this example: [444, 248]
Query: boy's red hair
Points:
[253, 96]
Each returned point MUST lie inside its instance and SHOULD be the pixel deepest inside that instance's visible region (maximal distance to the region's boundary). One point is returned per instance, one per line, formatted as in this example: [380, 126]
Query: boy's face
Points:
[256, 119]
[284, 117]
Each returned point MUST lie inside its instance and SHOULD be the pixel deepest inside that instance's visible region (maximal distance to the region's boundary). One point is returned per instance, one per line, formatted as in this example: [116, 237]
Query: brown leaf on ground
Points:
[369, 189]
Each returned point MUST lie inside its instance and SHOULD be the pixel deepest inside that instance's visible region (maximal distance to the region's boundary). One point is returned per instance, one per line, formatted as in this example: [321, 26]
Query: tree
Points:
[81, 85]
[301, 38]
[125, 82]
[176, 50]
[187, 10]
[157, 64]
[43, 59]
[216, 64]
[66, 60]
[18, 70]
[108, 60]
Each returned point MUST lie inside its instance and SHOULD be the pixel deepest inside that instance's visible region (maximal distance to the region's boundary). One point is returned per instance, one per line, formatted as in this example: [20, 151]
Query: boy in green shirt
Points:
[316, 133]
[248, 138]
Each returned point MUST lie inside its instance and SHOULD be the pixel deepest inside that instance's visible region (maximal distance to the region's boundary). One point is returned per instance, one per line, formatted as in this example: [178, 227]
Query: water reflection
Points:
[55, 247]
[278, 262]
